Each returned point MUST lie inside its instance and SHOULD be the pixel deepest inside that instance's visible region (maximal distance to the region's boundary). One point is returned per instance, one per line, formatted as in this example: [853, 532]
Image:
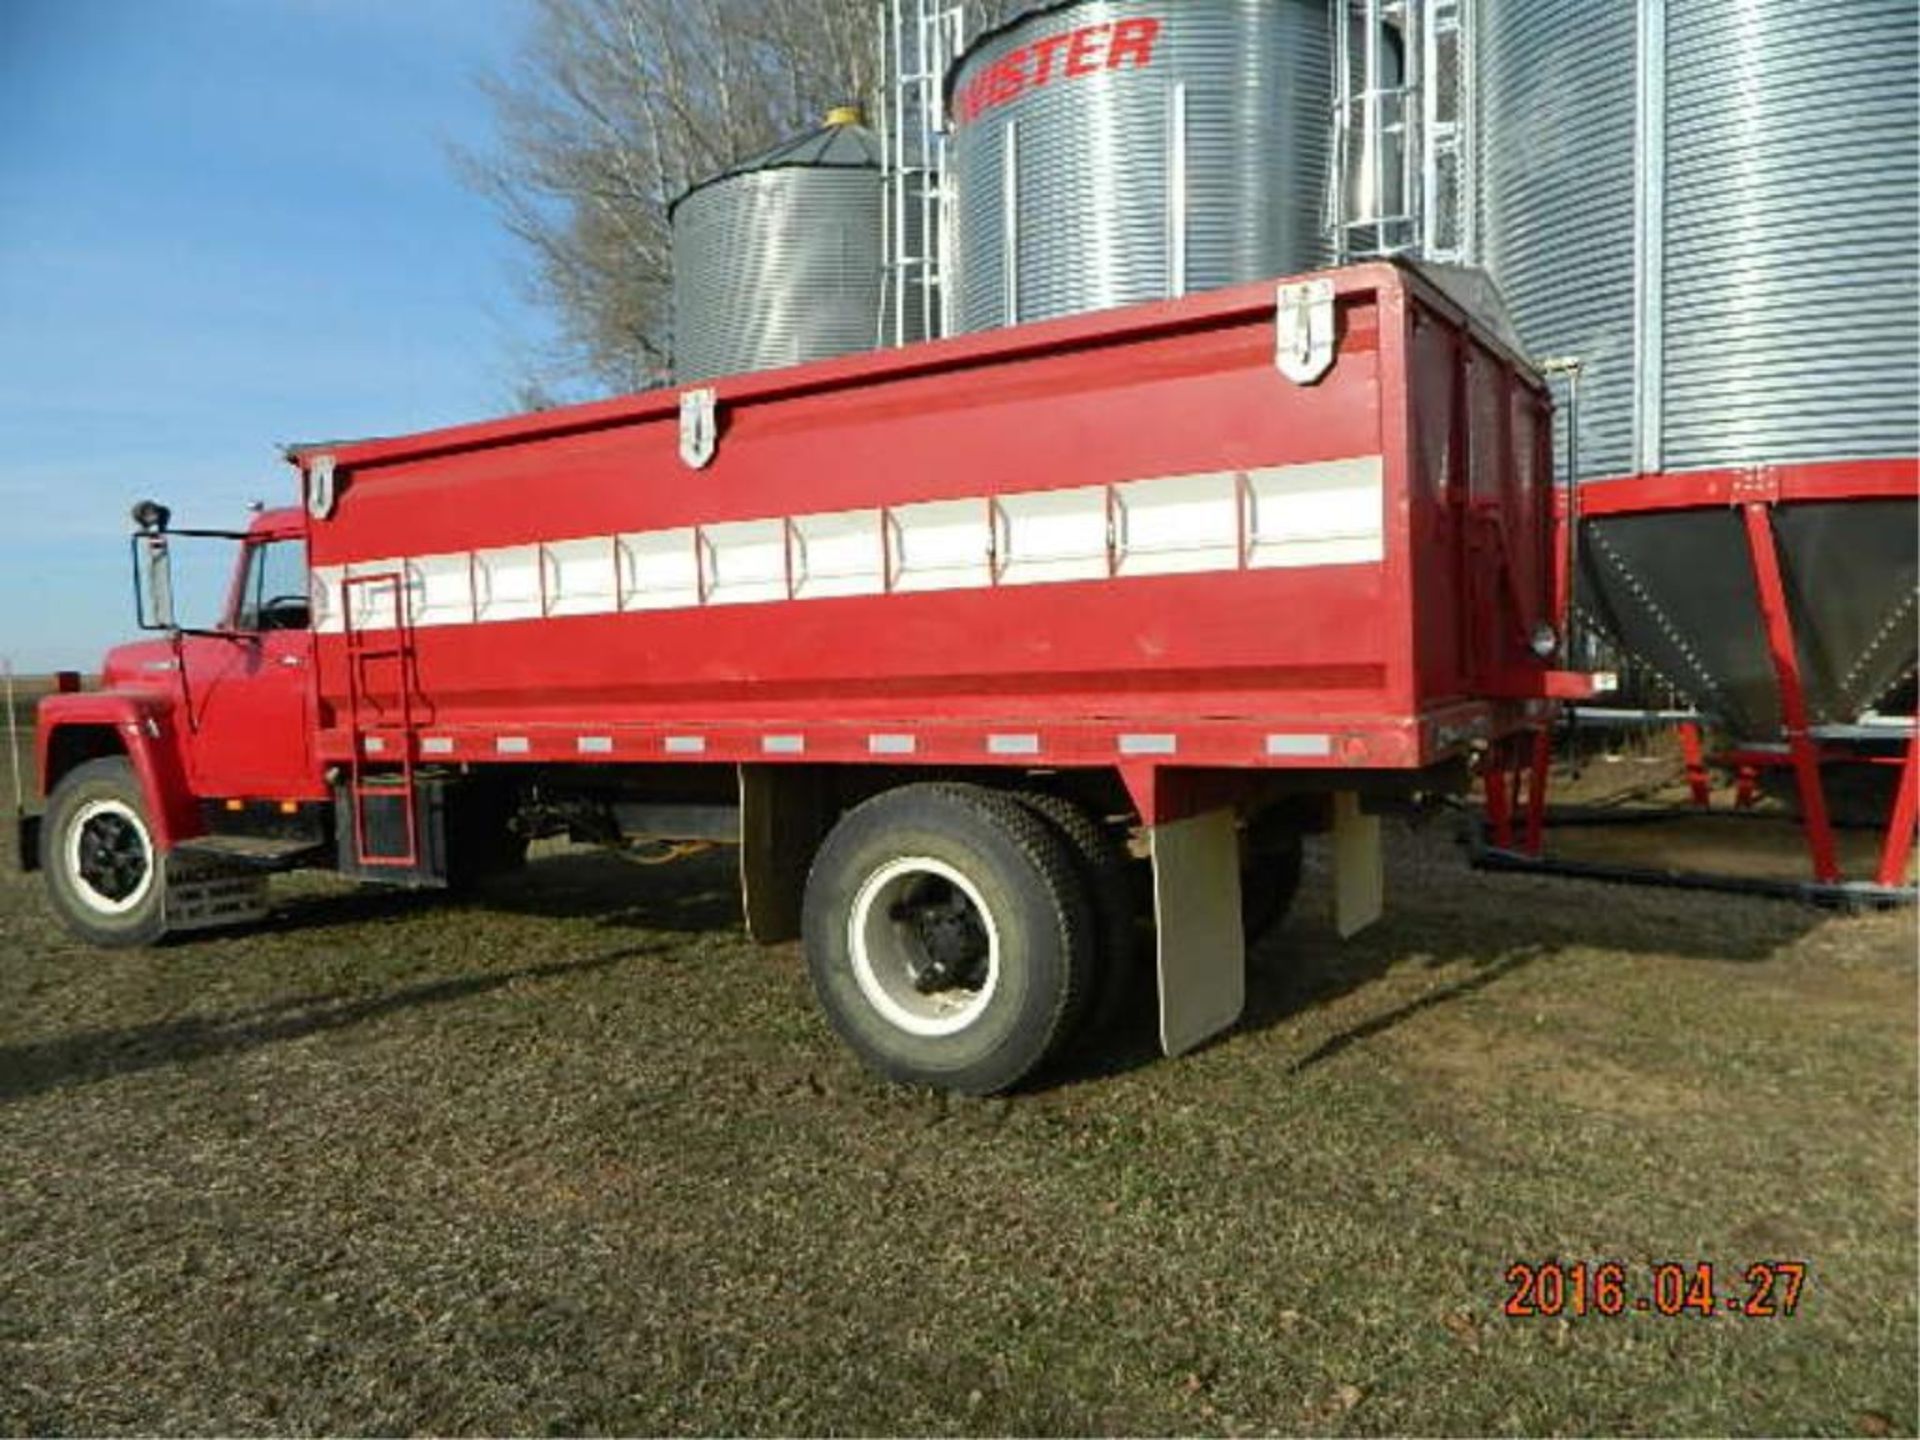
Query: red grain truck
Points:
[940, 637]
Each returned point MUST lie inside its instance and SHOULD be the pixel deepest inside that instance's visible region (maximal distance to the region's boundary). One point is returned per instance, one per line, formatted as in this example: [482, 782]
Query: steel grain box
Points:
[1116, 538]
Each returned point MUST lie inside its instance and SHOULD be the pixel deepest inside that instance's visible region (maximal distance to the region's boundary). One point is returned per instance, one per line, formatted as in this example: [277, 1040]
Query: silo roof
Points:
[831, 147]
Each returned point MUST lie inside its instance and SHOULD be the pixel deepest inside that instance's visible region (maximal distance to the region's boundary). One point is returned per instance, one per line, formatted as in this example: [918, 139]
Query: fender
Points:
[145, 727]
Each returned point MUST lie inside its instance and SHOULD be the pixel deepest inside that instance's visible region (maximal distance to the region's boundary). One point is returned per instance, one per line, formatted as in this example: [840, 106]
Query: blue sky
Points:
[225, 224]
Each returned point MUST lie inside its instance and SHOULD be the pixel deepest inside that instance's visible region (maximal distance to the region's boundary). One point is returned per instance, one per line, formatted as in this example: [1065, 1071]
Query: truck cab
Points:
[196, 754]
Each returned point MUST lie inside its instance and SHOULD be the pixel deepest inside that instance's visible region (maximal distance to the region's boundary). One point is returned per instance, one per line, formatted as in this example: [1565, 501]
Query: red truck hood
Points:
[141, 665]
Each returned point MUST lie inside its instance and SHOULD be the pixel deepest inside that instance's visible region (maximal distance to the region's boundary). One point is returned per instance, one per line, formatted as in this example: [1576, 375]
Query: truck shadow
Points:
[94, 1055]
[695, 895]
[1472, 930]
[1476, 928]
[698, 895]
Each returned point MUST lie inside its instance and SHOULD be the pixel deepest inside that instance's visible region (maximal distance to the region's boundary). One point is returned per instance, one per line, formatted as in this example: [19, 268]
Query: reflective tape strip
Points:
[513, 745]
[373, 745]
[783, 745]
[436, 745]
[891, 744]
[1149, 744]
[594, 745]
[686, 745]
[1013, 744]
[1299, 746]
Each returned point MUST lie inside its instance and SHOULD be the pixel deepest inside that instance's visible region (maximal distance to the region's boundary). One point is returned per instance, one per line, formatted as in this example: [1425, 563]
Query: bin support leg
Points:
[1906, 810]
[1537, 792]
[1793, 696]
[1499, 799]
[1694, 756]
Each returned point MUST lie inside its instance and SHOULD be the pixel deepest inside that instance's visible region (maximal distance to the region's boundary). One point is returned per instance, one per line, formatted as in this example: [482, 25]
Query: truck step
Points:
[212, 902]
[251, 852]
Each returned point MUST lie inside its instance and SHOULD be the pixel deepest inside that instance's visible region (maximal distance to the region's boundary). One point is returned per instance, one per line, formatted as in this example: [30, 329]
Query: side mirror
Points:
[151, 515]
[153, 582]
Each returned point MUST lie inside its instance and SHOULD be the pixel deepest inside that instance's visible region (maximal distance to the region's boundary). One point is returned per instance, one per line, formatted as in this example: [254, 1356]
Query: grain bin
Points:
[1111, 151]
[778, 260]
[1711, 203]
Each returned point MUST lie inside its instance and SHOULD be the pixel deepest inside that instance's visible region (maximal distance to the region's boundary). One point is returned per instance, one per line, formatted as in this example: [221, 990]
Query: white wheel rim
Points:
[100, 814]
[889, 952]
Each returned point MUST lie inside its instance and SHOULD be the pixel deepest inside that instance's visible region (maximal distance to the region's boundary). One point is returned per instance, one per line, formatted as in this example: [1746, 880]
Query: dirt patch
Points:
[1543, 1069]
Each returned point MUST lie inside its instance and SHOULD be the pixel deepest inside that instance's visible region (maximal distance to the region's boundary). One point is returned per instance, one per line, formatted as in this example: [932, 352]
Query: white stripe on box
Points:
[783, 745]
[436, 745]
[594, 745]
[891, 744]
[686, 745]
[1149, 744]
[1280, 517]
[513, 745]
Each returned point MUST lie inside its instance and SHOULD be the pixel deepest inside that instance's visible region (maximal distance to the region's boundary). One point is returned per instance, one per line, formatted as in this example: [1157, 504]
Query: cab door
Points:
[250, 689]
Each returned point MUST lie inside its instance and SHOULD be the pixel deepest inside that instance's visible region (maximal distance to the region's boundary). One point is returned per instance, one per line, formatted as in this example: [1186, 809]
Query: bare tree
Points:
[614, 109]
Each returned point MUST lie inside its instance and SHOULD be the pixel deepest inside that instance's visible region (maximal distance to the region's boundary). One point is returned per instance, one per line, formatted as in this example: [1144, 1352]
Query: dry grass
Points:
[586, 1161]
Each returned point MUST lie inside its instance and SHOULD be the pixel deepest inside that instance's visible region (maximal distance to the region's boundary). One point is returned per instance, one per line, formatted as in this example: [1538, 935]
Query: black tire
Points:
[105, 875]
[931, 985]
[1100, 860]
[1271, 853]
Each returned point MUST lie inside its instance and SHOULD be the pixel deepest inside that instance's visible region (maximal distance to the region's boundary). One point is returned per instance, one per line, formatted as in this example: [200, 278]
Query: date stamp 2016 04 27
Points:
[1766, 1289]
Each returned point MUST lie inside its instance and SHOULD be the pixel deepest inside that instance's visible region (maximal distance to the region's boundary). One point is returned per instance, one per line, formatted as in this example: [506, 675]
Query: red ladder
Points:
[380, 736]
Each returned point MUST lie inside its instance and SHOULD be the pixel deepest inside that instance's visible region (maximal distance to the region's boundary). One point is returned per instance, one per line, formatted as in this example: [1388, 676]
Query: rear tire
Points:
[105, 875]
[1271, 854]
[1101, 861]
[948, 938]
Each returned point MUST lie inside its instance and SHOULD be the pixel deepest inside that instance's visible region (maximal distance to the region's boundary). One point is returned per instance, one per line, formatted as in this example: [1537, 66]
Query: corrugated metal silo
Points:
[1113, 151]
[1712, 204]
[779, 259]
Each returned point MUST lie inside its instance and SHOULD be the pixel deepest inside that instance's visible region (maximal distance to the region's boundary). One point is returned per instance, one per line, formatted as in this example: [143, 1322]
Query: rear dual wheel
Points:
[1101, 863]
[949, 938]
[1271, 858]
[961, 938]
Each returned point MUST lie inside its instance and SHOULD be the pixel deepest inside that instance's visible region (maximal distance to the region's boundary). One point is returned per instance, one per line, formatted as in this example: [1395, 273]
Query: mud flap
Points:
[1359, 869]
[1201, 947]
[783, 816]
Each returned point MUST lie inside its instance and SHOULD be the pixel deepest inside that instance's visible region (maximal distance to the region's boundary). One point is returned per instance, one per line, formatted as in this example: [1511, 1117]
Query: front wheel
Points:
[104, 874]
[948, 937]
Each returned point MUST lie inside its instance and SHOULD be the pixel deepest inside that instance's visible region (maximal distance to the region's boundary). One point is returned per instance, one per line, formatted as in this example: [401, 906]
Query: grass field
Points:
[584, 1160]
